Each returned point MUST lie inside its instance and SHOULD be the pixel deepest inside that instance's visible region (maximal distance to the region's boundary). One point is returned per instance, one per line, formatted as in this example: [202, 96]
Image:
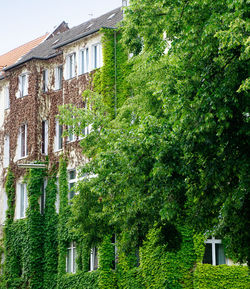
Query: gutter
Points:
[80, 36]
[58, 46]
[32, 58]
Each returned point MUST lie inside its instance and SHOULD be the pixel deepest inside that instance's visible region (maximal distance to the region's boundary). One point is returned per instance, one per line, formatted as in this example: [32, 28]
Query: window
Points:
[70, 65]
[71, 258]
[72, 182]
[6, 156]
[22, 201]
[58, 77]
[214, 252]
[23, 152]
[6, 98]
[71, 135]
[43, 197]
[45, 80]
[58, 136]
[84, 61]
[94, 259]
[96, 52]
[86, 131]
[44, 137]
[23, 85]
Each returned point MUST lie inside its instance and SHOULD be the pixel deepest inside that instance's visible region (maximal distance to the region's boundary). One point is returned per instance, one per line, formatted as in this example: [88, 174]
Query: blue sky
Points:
[25, 20]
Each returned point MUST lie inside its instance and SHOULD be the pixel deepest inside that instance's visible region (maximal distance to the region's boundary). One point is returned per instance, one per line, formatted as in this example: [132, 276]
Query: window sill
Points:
[21, 218]
[22, 158]
[22, 96]
[58, 150]
[71, 78]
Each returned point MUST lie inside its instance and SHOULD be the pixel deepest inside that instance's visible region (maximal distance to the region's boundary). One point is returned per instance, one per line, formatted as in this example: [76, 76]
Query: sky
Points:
[24, 20]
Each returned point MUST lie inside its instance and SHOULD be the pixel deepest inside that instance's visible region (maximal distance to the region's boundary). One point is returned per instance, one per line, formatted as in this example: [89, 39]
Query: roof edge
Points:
[32, 58]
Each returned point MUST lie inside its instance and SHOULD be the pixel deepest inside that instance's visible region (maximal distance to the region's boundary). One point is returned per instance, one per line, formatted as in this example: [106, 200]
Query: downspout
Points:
[115, 86]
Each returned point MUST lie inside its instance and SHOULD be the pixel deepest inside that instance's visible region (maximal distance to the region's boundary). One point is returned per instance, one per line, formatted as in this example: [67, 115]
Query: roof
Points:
[14, 55]
[49, 48]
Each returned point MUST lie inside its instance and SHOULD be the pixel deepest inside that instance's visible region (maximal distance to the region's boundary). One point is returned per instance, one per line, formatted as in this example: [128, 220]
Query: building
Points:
[54, 73]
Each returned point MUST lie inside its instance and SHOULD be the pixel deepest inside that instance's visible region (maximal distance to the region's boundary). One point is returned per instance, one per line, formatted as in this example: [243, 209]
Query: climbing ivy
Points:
[50, 232]
[35, 234]
[63, 234]
[109, 81]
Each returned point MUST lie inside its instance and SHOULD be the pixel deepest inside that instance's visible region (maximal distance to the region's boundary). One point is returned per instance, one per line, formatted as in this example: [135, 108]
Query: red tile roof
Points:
[14, 55]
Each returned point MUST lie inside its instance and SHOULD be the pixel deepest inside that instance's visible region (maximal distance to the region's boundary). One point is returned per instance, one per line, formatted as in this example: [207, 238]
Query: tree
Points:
[178, 149]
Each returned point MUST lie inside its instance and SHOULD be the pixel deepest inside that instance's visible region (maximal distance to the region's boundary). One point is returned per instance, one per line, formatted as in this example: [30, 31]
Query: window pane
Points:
[59, 136]
[95, 56]
[22, 140]
[87, 60]
[208, 254]
[95, 258]
[71, 190]
[220, 256]
[59, 77]
[74, 260]
[43, 137]
[68, 261]
[72, 175]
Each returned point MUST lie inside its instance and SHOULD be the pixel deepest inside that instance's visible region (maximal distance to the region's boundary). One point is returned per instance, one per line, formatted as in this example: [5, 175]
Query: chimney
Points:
[125, 3]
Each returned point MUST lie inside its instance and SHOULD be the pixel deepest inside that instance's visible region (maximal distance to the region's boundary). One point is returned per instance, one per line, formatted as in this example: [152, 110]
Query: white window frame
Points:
[23, 84]
[72, 181]
[45, 137]
[6, 156]
[92, 259]
[20, 140]
[83, 61]
[214, 241]
[22, 200]
[6, 97]
[70, 65]
[45, 80]
[71, 256]
[96, 55]
[58, 77]
[58, 136]
[71, 135]
[86, 131]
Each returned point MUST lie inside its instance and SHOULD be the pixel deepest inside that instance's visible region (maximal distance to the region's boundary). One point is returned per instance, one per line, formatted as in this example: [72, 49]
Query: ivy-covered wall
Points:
[36, 247]
[109, 81]
[29, 248]
[222, 276]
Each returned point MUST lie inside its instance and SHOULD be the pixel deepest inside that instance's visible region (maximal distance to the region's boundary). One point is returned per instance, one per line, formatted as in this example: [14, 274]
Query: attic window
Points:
[111, 16]
[91, 24]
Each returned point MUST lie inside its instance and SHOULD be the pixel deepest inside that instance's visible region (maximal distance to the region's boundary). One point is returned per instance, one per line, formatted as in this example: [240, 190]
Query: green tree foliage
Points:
[178, 148]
